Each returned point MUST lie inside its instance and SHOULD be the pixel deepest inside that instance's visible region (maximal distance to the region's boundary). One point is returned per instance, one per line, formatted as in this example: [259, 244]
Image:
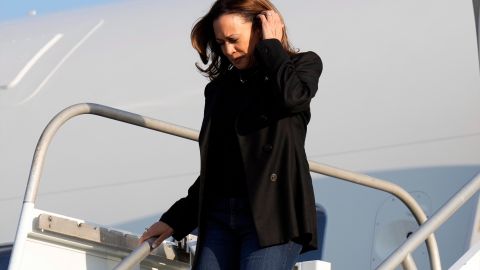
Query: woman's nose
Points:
[229, 49]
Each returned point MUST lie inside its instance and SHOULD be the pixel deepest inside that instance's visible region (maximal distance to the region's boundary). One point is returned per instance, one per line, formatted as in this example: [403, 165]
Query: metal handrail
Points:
[440, 216]
[391, 188]
[150, 123]
[100, 110]
[140, 253]
[408, 263]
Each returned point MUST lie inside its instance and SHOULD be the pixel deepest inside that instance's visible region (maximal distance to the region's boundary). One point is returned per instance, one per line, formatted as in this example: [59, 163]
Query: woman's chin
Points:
[241, 65]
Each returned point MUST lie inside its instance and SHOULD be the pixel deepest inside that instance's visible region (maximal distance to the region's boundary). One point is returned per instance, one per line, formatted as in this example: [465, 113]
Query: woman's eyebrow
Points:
[232, 36]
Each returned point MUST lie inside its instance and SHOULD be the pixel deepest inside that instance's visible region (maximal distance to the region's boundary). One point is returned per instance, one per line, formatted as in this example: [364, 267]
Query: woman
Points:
[253, 202]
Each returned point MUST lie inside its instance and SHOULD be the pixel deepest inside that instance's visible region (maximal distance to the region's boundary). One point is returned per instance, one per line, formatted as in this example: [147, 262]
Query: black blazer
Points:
[271, 133]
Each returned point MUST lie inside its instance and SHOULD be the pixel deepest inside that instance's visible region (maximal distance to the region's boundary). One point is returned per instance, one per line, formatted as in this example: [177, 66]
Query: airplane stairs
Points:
[50, 241]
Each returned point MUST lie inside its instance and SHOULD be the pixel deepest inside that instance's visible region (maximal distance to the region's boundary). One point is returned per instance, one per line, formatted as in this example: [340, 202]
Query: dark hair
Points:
[203, 36]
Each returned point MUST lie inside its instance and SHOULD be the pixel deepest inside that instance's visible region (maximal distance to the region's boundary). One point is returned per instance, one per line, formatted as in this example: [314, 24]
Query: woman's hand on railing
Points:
[160, 229]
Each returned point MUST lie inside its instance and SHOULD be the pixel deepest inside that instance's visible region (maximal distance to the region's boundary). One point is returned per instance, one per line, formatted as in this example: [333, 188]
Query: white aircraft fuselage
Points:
[398, 99]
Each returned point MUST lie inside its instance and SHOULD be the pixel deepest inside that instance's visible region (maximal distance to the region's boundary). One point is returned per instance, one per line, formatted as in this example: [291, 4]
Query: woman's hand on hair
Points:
[272, 25]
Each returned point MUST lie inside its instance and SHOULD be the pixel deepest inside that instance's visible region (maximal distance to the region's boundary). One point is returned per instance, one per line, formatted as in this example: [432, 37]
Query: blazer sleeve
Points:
[296, 78]
[182, 216]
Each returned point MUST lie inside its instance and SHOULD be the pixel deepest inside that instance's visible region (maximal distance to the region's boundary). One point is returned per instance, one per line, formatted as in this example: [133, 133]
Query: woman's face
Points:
[236, 39]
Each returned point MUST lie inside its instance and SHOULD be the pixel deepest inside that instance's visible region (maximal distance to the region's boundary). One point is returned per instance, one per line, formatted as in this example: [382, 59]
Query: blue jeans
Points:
[229, 241]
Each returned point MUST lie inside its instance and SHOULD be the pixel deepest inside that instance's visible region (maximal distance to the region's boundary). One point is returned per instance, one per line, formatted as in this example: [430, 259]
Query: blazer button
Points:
[267, 148]
[273, 177]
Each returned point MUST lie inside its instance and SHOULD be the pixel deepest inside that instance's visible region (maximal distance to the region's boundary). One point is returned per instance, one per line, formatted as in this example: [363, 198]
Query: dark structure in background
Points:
[476, 10]
[5, 252]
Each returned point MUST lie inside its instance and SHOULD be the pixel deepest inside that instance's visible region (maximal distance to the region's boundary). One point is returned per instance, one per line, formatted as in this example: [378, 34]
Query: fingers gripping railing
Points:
[135, 119]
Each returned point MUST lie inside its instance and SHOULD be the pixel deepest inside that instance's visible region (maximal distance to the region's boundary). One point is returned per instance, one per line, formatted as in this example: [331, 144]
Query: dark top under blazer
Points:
[271, 133]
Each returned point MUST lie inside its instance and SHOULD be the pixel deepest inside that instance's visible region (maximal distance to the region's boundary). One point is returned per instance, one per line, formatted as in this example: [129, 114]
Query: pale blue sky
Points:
[13, 9]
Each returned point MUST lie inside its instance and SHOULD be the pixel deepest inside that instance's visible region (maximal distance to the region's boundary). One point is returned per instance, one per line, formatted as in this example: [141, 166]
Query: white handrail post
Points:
[440, 216]
[409, 263]
[391, 188]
